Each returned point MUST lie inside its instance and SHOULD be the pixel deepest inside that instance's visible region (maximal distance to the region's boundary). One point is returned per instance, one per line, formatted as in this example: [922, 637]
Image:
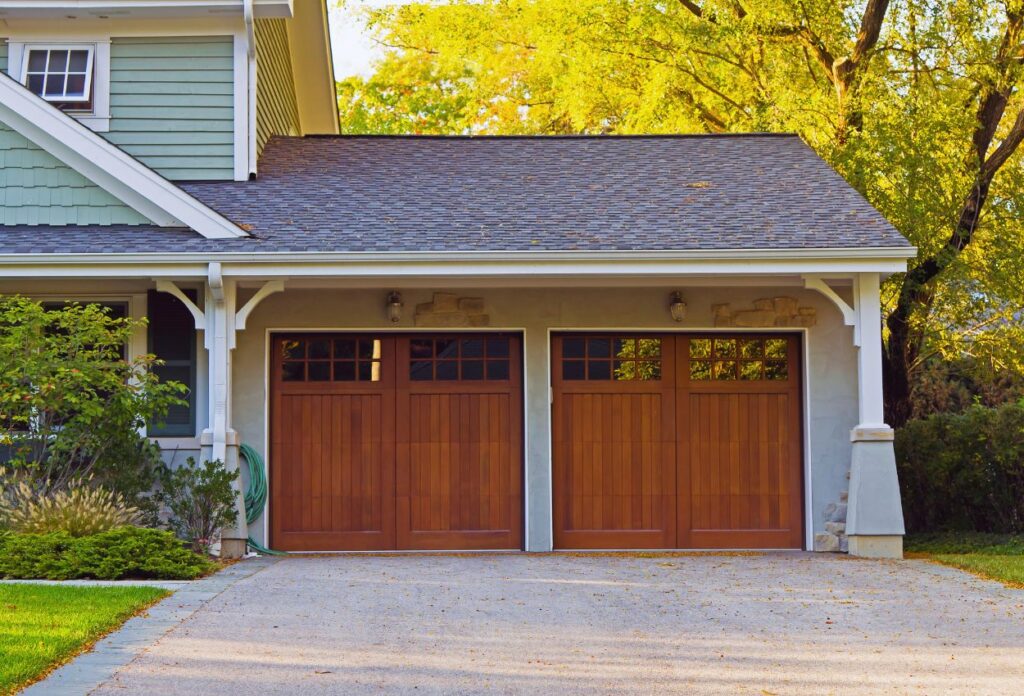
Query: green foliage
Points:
[124, 552]
[899, 118]
[200, 499]
[964, 472]
[964, 543]
[71, 405]
[80, 510]
[44, 625]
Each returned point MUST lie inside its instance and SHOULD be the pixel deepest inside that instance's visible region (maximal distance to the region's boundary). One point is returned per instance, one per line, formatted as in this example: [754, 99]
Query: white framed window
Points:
[60, 74]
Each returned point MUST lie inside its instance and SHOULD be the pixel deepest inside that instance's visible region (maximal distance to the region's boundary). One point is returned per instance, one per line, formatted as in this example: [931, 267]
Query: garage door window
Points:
[325, 360]
[738, 359]
[454, 358]
[604, 358]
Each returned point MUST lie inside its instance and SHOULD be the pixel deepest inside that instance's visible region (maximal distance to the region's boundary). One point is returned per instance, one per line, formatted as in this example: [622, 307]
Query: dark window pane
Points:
[599, 369]
[172, 342]
[574, 348]
[58, 61]
[573, 369]
[700, 370]
[472, 369]
[750, 370]
[344, 371]
[624, 347]
[599, 348]
[700, 348]
[293, 371]
[446, 348]
[54, 86]
[775, 348]
[447, 369]
[776, 370]
[421, 370]
[319, 372]
[497, 369]
[37, 61]
[76, 86]
[369, 349]
[293, 349]
[625, 371]
[750, 349]
[319, 349]
[497, 347]
[421, 348]
[345, 348]
[35, 84]
[176, 415]
[369, 371]
[472, 348]
[79, 61]
[725, 370]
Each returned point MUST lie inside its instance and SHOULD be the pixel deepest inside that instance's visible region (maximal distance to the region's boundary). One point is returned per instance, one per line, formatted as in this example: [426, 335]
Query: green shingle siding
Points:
[172, 104]
[37, 189]
[276, 110]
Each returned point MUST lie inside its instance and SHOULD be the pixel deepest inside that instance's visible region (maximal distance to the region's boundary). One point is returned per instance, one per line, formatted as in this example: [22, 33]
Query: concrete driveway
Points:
[767, 624]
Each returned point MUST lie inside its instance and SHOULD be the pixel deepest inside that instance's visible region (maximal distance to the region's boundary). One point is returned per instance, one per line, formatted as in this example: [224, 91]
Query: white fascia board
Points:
[150, 8]
[518, 266]
[107, 166]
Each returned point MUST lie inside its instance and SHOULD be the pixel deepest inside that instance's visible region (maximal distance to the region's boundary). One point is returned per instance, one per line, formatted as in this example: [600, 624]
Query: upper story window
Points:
[62, 75]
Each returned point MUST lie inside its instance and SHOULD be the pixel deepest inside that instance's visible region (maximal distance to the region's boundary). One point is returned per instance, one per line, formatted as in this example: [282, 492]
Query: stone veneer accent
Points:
[448, 310]
[767, 312]
[833, 539]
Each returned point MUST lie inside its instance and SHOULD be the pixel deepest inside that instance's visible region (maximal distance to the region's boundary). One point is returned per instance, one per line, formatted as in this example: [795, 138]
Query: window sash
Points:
[38, 76]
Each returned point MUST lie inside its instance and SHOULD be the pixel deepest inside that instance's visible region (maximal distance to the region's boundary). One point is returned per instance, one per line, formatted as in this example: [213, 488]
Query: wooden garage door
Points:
[685, 441]
[396, 442]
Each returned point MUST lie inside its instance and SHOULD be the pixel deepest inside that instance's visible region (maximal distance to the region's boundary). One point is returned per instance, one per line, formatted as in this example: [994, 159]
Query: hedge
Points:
[964, 472]
[121, 553]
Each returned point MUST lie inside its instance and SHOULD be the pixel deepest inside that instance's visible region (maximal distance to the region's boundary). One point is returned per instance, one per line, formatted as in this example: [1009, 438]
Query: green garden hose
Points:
[255, 494]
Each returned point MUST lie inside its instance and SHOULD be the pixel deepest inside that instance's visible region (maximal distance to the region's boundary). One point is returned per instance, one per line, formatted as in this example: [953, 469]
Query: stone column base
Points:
[876, 546]
[232, 548]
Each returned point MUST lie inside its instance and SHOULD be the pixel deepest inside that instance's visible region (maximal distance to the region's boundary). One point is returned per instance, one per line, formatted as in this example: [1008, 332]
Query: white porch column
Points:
[219, 441]
[874, 522]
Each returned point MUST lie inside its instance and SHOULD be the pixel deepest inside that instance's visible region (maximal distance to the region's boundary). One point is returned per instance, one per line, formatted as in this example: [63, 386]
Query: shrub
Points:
[964, 472]
[124, 552]
[80, 510]
[200, 500]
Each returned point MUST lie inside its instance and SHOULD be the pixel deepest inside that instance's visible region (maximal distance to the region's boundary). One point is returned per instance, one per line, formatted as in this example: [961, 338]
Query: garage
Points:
[395, 442]
[677, 441]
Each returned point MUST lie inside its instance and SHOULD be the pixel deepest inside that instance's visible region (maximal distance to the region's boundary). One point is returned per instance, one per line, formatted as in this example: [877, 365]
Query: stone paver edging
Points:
[89, 670]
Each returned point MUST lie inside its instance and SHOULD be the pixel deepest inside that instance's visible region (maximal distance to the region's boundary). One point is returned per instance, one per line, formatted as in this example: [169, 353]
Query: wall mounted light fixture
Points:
[394, 306]
[676, 306]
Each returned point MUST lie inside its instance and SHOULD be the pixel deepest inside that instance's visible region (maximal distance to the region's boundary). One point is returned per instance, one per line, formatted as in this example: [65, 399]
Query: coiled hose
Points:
[255, 494]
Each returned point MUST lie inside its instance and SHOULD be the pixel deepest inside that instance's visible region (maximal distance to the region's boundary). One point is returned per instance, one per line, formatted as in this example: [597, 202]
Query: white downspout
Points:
[248, 14]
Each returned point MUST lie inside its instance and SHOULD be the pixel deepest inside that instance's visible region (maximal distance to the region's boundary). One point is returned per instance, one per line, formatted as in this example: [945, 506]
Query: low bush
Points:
[124, 552]
[964, 472]
[80, 510]
[200, 500]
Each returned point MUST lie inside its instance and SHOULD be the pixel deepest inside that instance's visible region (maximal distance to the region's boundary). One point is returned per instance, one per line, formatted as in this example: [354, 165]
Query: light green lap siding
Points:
[172, 104]
[276, 110]
[37, 189]
[3, 54]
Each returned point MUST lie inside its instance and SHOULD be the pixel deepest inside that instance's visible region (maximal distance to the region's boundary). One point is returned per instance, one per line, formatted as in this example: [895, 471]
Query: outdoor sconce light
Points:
[394, 306]
[676, 306]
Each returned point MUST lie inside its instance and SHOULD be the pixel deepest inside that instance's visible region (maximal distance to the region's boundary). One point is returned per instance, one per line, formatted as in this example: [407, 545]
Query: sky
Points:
[354, 50]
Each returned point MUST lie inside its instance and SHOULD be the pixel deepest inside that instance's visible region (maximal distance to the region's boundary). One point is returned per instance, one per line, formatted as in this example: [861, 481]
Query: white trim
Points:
[240, 68]
[171, 289]
[106, 165]
[870, 402]
[151, 8]
[268, 288]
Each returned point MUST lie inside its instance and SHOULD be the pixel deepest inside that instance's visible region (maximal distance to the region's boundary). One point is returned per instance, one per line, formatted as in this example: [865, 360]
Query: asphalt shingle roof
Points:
[379, 194]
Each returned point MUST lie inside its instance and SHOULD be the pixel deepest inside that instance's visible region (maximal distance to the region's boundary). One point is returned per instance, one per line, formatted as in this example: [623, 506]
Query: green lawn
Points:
[994, 556]
[42, 626]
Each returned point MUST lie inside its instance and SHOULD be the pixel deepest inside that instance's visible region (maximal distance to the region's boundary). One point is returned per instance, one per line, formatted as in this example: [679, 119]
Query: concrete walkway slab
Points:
[554, 624]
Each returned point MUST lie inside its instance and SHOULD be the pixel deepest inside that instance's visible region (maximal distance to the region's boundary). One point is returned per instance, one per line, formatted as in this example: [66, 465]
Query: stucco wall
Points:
[829, 350]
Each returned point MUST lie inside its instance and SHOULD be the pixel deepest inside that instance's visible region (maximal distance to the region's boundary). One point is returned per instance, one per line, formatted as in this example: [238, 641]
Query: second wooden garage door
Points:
[396, 442]
[677, 441]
